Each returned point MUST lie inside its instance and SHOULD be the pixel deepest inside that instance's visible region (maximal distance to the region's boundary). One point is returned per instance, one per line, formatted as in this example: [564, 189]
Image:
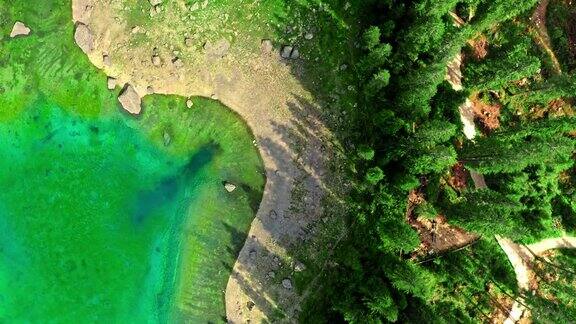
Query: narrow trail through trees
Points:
[541, 34]
[520, 256]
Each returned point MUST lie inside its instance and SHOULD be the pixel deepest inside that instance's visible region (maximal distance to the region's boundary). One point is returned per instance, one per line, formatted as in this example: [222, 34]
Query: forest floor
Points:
[155, 50]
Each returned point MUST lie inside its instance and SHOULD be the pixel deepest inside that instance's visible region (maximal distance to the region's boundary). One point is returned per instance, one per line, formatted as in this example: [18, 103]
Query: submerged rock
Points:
[286, 51]
[155, 2]
[229, 186]
[295, 54]
[287, 283]
[189, 103]
[84, 38]
[19, 29]
[299, 266]
[167, 138]
[289, 52]
[130, 100]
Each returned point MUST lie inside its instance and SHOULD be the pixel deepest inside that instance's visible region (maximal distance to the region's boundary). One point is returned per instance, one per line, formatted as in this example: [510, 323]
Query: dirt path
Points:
[263, 90]
[541, 34]
[521, 258]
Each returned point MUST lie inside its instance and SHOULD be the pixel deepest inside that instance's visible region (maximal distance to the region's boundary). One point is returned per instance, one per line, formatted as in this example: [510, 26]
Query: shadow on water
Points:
[166, 191]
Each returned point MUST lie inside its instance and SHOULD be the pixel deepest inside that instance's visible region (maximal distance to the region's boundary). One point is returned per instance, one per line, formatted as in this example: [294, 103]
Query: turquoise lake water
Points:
[105, 217]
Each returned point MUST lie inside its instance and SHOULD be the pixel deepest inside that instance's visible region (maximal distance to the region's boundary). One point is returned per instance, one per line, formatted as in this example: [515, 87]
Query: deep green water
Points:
[105, 217]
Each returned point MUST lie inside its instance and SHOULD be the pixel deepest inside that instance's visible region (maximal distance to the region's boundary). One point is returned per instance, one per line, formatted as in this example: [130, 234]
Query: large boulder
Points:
[84, 38]
[20, 29]
[130, 100]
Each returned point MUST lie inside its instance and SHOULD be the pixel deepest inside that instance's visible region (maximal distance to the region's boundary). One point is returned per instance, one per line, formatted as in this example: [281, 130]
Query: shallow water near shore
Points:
[104, 216]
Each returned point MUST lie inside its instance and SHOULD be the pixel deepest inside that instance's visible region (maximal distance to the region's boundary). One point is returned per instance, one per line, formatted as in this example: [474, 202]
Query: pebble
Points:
[106, 60]
[273, 214]
[156, 61]
[188, 42]
[266, 46]
[177, 62]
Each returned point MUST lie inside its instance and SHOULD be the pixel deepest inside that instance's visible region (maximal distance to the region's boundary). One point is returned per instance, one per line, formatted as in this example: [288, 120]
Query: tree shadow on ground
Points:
[307, 231]
[311, 157]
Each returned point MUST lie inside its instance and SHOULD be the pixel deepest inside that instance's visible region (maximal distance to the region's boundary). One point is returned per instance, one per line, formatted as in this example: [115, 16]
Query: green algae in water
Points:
[100, 220]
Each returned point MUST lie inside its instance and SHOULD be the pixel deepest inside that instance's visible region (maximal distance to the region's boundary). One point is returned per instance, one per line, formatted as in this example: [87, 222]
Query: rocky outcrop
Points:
[130, 100]
[84, 38]
[19, 29]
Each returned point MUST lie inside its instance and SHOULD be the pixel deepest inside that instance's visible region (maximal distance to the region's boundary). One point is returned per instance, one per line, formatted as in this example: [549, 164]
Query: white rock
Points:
[111, 83]
[130, 100]
[229, 186]
[189, 103]
[19, 29]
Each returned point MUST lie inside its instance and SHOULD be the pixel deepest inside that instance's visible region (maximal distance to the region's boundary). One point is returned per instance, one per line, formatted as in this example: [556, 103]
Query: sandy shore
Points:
[264, 92]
